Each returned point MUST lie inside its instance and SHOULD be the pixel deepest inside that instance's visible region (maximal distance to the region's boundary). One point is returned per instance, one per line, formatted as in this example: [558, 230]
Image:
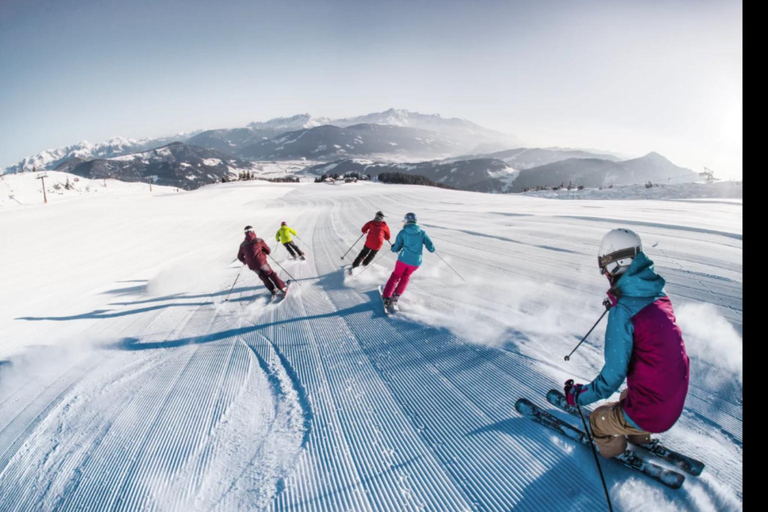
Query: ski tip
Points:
[524, 406]
[555, 393]
[672, 479]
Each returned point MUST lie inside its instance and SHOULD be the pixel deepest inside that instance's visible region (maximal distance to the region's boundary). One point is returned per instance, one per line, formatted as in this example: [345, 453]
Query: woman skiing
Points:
[253, 252]
[642, 344]
[378, 231]
[284, 235]
[409, 244]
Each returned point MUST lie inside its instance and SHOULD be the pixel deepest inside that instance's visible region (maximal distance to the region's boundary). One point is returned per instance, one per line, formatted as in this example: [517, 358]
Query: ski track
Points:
[322, 402]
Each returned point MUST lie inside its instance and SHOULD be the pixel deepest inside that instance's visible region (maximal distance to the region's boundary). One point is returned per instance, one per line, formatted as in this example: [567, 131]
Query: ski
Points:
[629, 458]
[689, 465]
[391, 309]
[279, 297]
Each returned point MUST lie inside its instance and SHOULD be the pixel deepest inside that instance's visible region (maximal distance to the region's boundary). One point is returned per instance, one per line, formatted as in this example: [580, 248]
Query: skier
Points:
[253, 252]
[378, 231]
[284, 235]
[642, 344]
[409, 244]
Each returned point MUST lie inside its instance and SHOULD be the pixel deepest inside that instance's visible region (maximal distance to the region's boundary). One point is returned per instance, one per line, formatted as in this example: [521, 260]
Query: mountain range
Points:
[116, 146]
[176, 164]
[451, 151]
[496, 175]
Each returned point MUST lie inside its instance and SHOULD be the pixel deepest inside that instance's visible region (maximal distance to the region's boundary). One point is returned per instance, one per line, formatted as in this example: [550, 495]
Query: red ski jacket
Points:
[378, 231]
[253, 251]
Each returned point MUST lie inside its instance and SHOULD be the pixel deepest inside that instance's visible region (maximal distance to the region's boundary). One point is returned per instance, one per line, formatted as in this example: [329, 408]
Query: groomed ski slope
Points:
[127, 382]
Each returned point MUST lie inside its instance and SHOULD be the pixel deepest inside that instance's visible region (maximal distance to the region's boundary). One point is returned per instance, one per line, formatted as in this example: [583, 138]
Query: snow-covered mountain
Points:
[459, 130]
[375, 141]
[177, 164]
[116, 146]
[596, 172]
[289, 124]
[233, 140]
[498, 176]
[450, 137]
[477, 175]
[525, 158]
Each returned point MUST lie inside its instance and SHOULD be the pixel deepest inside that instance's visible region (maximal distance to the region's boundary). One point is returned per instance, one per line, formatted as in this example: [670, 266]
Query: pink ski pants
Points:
[398, 281]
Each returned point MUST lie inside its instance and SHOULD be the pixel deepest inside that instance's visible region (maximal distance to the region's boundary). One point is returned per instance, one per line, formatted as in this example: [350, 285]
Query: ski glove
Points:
[572, 391]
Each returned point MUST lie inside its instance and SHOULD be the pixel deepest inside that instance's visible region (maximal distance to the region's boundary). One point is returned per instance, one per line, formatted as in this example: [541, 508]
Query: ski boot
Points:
[630, 458]
[393, 303]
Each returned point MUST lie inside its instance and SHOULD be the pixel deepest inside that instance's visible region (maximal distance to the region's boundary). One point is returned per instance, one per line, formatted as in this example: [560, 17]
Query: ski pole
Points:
[361, 236]
[369, 266]
[305, 244]
[279, 265]
[607, 305]
[594, 451]
[449, 266]
[233, 284]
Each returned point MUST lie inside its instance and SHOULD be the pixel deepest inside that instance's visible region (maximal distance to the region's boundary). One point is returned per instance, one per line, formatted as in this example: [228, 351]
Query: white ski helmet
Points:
[617, 250]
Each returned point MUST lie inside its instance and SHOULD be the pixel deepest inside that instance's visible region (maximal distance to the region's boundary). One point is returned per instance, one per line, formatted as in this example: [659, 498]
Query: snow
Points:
[25, 189]
[128, 158]
[127, 381]
[726, 189]
[51, 158]
[211, 162]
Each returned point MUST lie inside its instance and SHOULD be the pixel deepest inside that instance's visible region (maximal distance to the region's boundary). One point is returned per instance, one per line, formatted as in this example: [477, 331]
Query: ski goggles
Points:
[604, 261]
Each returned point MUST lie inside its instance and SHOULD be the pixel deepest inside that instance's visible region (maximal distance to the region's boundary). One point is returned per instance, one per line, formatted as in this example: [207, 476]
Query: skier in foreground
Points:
[253, 252]
[378, 231]
[284, 235]
[642, 344]
[409, 244]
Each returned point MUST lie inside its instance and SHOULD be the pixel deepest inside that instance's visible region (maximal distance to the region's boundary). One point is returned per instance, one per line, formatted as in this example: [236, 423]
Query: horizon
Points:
[662, 77]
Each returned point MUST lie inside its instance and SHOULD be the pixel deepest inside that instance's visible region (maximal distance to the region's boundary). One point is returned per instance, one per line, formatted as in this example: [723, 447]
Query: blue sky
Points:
[627, 76]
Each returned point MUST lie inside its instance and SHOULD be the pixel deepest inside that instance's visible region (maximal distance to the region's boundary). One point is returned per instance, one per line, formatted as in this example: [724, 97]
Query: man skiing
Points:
[409, 244]
[284, 235]
[642, 344]
[253, 252]
[378, 231]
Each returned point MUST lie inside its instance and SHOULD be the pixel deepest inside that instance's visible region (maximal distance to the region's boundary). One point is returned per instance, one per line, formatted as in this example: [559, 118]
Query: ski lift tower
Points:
[708, 175]
[42, 178]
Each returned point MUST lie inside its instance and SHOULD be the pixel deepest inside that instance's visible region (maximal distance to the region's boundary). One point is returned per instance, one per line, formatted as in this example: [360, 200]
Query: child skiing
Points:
[378, 231]
[642, 344]
[284, 235]
[253, 252]
[409, 244]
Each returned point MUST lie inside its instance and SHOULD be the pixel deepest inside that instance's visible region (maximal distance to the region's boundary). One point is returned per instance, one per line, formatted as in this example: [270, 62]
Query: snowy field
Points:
[26, 189]
[128, 382]
[724, 190]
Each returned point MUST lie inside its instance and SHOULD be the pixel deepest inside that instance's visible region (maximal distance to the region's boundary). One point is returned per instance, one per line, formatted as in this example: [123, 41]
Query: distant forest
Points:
[409, 179]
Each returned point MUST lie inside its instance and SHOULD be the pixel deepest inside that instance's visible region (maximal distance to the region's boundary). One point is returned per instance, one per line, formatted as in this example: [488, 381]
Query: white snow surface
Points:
[733, 190]
[128, 381]
[26, 189]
